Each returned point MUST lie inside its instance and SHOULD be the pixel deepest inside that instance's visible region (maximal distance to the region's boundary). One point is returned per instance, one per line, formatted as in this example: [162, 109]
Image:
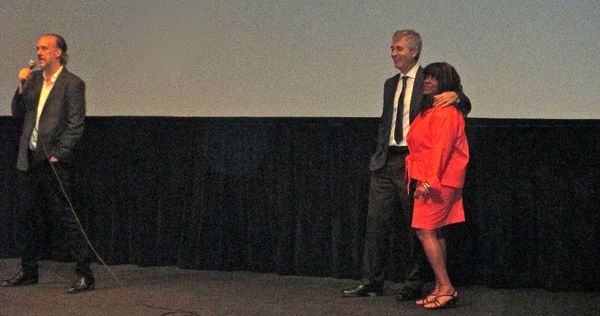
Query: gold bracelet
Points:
[427, 186]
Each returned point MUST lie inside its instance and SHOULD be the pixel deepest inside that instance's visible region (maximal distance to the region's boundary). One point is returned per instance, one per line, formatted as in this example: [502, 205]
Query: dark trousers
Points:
[392, 250]
[39, 187]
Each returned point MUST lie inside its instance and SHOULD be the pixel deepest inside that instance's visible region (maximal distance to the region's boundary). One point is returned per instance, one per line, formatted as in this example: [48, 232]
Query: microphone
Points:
[32, 65]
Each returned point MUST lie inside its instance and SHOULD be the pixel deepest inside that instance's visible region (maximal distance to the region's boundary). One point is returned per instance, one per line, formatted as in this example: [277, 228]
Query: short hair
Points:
[62, 44]
[414, 38]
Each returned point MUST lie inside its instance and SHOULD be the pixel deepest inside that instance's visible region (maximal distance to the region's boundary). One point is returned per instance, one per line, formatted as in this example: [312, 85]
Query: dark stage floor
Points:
[174, 291]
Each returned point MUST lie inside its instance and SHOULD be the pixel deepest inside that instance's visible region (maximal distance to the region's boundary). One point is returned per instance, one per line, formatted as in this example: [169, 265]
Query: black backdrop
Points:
[289, 195]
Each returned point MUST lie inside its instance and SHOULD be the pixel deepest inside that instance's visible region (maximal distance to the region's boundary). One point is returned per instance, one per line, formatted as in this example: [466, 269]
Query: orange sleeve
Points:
[444, 127]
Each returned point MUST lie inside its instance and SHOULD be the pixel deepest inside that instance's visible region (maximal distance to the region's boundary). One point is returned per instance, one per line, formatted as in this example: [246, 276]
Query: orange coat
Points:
[439, 152]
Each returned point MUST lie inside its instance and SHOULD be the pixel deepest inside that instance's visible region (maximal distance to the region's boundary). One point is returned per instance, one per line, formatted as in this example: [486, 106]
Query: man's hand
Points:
[53, 159]
[445, 98]
[24, 74]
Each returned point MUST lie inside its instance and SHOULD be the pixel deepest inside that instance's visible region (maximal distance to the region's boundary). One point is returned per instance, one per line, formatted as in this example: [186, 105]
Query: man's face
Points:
[48, 53]
[402, 55]
[430, 85]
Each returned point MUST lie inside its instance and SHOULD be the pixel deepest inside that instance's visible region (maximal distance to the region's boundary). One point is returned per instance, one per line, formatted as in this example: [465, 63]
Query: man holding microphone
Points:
[51, 104]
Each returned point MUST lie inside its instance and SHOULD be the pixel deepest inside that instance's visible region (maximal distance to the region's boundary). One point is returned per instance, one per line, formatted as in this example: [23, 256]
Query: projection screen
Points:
[517, 59]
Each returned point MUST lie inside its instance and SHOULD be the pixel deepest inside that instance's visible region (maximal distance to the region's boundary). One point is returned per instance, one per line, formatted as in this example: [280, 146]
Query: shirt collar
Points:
[412, 73]
[54, 76]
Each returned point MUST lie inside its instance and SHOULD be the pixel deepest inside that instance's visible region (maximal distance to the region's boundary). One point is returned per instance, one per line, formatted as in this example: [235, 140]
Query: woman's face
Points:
[430, 85]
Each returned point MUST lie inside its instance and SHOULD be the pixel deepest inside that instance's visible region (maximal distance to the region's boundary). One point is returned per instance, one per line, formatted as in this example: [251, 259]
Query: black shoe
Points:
[363, 290]
[408, 294]
[82, 284]
[21, 279]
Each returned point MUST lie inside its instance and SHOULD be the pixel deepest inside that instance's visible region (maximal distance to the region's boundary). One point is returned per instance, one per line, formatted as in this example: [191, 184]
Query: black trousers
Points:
[39, 187]
[392, 250]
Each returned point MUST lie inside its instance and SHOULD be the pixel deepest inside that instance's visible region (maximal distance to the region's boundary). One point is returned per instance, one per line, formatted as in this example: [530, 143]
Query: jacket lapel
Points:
[417, 96]
[59, 85]
[35, 91]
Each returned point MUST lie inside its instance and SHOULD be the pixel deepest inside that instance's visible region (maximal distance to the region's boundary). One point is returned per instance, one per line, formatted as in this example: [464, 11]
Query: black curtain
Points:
[289, 195]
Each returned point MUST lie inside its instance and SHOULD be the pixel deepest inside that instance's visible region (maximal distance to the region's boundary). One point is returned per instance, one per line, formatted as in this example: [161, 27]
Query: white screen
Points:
[517, 59]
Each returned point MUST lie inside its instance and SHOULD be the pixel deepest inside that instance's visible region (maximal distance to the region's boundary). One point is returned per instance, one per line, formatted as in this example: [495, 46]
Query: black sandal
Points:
[437, 304]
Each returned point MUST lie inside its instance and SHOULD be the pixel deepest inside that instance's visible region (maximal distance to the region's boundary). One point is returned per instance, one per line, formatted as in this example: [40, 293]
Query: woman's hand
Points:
[422, 190]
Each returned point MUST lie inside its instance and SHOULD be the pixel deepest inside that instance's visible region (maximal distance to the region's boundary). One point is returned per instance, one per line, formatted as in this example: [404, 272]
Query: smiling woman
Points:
[437, 162]
[430, 85]
[307, 58]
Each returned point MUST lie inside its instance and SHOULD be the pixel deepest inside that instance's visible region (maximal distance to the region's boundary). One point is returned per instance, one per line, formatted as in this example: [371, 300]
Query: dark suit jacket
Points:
[379, 157]
[62, 120]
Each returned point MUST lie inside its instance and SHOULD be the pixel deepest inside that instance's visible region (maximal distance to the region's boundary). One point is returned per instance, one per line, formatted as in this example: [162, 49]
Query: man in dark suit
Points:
[390, 205]
[51, 104]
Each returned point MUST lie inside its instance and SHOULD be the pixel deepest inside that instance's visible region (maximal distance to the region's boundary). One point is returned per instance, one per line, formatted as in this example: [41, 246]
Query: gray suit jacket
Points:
[379, 157]
[62, 120]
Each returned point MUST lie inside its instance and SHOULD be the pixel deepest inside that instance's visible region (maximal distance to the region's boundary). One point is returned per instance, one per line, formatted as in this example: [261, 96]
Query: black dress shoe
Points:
[82, 284]
[408, 294]
[20, 279]
[363, 290]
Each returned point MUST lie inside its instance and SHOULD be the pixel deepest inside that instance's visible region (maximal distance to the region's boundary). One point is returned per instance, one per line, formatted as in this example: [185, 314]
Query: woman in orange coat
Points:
[439, 154]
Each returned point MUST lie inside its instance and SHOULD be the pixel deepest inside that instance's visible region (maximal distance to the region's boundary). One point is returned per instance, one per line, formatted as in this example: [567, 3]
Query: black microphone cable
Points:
[167, 311]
